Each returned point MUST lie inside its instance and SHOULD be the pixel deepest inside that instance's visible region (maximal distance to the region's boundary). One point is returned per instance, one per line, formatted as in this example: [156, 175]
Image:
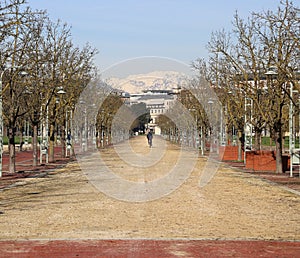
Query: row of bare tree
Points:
[42, 72]
[257, 64]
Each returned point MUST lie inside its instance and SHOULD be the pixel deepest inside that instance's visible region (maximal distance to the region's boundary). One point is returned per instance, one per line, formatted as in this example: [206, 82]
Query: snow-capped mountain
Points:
[159, 80]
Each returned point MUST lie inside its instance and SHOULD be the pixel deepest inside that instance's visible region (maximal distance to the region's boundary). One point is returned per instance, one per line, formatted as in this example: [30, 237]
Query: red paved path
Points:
[149, 248]
[24, 166]
[130, 248]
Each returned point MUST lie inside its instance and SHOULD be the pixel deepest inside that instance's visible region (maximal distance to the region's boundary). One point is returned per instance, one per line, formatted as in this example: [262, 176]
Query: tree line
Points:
[254, 71]
[42, 72]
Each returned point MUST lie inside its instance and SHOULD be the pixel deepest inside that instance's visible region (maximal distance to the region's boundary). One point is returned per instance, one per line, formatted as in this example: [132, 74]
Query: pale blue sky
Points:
[127, 29]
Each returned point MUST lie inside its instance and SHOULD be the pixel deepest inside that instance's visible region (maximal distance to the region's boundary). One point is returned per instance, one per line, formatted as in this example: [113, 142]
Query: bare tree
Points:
[43, 50]
[265, 40]
[69, 69]
[14, 91]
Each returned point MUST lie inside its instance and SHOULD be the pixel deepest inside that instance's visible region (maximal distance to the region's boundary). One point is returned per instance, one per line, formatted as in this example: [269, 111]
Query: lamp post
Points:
[299, 129]
[44, 135]
[196, 134]
[221, 127]
[248, 127]
[291, 129]
[69, 132]
[270, 73]
[85, 131]
[210, 103]
[61, 93]
[1, 122]
[101, 128]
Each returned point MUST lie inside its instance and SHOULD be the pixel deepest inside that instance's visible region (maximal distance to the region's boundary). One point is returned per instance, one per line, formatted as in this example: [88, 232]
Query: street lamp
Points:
[196, 134]
[210, 103]
[248, 127]
[271, 73]
[68, 129]
[222, 138]
[291, 130]
[84, 131]
[1, 122]
[44, 135]
[61, 93]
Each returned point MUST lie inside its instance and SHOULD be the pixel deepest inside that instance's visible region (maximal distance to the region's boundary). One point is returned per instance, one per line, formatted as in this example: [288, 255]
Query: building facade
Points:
[157, 102]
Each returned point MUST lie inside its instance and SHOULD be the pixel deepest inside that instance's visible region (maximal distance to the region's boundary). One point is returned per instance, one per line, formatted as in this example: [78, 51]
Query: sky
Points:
[126, 29]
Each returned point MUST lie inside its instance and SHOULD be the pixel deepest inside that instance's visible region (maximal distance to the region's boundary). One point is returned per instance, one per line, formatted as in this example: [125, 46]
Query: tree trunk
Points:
[35, 145]
[63, 140]
[211, 138]
[258, 134]
[278, 145]
[97, 139]
[229, 137]
[240, 138]
[12, 150]
[80, 141]
[51, 143]
[21, 141]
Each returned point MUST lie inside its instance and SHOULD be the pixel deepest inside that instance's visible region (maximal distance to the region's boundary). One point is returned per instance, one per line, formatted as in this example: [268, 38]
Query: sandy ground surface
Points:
[66, 205]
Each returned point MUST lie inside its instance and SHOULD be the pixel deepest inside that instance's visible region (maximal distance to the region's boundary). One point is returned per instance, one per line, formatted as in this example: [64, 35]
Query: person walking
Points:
[149, 137]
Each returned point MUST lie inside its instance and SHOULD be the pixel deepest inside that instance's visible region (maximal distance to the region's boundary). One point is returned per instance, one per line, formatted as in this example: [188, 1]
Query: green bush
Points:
[17, 140]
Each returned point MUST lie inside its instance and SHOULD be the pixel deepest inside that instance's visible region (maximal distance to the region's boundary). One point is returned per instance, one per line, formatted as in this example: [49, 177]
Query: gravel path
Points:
[67, 205]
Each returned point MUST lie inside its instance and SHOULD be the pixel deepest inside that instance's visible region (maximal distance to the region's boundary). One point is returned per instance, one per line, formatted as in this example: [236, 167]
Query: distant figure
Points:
[21, 146]
[69, 138]
[149, 137]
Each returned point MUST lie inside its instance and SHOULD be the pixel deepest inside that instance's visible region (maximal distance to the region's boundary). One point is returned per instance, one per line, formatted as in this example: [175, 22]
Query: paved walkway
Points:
[70, 213]
[25, 169]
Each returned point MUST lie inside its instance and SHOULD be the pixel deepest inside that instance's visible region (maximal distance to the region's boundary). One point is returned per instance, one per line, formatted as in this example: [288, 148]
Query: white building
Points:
[157, 101]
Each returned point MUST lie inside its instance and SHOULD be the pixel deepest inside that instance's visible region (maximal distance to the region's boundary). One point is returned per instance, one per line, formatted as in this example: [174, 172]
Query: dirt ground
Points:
[65, 205]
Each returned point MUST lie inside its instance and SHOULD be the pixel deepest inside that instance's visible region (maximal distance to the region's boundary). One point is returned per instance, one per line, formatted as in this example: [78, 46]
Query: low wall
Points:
[229, 153]
[264, 161]
[261, 160]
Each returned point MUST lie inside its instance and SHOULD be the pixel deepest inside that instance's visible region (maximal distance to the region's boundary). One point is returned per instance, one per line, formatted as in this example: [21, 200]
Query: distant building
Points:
[124, 96]
[157, 101]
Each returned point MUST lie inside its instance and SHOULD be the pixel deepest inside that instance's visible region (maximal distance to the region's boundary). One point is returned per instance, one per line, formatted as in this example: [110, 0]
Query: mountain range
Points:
[158, 80]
